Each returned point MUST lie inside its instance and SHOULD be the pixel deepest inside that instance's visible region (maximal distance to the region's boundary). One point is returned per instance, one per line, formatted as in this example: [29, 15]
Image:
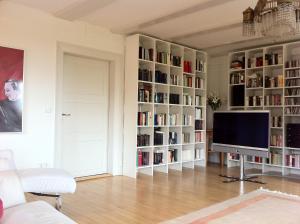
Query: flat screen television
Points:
[244, 132]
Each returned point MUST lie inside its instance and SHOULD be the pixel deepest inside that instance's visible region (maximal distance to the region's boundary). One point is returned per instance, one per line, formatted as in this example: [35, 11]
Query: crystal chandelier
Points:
[275, 18]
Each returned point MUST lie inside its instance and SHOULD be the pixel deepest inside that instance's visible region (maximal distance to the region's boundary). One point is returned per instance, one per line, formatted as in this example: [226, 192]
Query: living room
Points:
[119, 104]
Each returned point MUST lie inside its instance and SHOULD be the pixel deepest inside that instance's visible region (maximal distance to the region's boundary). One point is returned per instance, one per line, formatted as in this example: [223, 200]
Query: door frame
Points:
[115, 103]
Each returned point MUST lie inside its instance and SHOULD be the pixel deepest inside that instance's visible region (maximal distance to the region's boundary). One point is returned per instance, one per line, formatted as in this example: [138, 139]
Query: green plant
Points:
[214, 101]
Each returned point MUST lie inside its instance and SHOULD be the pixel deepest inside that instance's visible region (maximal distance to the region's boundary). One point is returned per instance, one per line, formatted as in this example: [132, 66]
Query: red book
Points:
[140, 158]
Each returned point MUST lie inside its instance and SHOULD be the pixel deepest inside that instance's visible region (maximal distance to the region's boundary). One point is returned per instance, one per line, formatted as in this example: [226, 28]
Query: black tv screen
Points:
[242, 128]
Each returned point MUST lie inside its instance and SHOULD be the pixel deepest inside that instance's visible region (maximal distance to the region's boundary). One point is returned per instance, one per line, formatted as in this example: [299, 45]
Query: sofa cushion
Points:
[47, 180]
[11, 191]
[37, 212]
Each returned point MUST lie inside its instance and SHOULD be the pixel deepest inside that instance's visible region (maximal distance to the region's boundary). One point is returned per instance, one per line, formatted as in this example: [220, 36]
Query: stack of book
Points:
[172, 156]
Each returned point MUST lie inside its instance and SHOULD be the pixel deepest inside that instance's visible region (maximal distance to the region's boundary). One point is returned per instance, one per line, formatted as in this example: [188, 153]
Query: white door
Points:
[85, 115]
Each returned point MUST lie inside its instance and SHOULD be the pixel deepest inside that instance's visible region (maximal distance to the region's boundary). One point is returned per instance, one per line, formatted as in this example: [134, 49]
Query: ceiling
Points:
[203, 24]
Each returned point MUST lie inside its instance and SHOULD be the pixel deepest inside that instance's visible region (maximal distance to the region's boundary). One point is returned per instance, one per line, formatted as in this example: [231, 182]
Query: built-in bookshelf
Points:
[268, 78]
[165, 106]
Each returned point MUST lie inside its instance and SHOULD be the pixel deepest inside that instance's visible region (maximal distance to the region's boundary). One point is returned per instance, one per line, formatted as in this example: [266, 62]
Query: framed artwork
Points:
[11, 89]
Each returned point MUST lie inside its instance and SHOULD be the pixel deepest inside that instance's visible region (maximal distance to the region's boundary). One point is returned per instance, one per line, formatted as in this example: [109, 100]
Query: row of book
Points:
[237, 78]
[273, 100]
[161, 77]
[173, 138]
[292, 82]
[276, 140]
[145, 93]
[200, 65]
[176, 60]
[292, 63]
[292, 101]
[254, 101]
[186, 138]
[187, 99]
[163, 57]
[143, 140]
[199, 83]
[187, 119]
[273, 58]
[199, 137]
[292, 110]
[255, 61]
[292, 73]
[172, 155]
[146, 54]
[144, 118]
[199, 153]
[160, 97]
[174, 98]
[292, 160]
[187, 81]
[174, 80]
[173, 119]
[198, 113]
[187, 66]
[199, 125]
[158, 157]
[199, 101]
[293, 92]
[275, 158]
[145, 75]
[160, 119]
[158, 136]
[271, 82]
[143, 158]
[276, 121]
[255, 159]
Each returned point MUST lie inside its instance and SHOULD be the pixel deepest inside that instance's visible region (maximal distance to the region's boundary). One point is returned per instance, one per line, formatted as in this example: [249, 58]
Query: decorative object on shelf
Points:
[277, 18]
[214, 101]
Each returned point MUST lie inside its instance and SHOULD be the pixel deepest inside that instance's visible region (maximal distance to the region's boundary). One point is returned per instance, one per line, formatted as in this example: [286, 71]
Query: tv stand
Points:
[242, 176]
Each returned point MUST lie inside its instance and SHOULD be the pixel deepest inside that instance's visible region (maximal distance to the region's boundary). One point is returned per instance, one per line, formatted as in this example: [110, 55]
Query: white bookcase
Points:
[161, 104]
[266, 79]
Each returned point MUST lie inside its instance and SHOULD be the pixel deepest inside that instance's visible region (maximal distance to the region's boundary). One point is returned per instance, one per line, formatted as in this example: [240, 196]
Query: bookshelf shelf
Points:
[270, 81]
[293, 68]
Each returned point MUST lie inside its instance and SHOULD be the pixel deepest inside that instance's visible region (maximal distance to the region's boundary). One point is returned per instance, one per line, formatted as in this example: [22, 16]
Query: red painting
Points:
[11, 89]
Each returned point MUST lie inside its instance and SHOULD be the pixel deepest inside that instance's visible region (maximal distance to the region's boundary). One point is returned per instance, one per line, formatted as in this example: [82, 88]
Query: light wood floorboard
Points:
[147, 199]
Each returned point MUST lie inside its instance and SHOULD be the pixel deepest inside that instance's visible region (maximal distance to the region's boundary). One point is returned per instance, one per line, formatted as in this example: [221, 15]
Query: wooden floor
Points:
[162, 197]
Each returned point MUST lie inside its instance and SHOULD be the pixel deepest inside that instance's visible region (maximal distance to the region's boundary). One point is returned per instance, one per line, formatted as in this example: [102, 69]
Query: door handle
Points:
[66, 115]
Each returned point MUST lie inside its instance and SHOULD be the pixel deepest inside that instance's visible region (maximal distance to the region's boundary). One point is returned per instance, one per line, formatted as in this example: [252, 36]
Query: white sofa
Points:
[14, 183]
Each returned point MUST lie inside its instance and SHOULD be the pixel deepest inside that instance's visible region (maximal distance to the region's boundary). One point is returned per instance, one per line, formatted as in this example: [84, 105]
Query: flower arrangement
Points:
[214, 101]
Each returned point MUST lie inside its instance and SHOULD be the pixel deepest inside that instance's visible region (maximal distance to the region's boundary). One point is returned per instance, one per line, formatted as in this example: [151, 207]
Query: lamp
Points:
[277, 18]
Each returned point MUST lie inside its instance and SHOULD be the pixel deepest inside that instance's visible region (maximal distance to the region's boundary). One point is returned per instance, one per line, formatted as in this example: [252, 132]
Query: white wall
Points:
[38, 33]
[217, 82]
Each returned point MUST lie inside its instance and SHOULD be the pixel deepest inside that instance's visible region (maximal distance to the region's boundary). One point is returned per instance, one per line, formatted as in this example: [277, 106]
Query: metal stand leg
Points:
[242, 177]
[58, 204]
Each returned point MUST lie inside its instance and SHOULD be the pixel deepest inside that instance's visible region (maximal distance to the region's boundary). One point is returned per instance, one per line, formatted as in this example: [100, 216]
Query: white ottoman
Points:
[47, 182]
